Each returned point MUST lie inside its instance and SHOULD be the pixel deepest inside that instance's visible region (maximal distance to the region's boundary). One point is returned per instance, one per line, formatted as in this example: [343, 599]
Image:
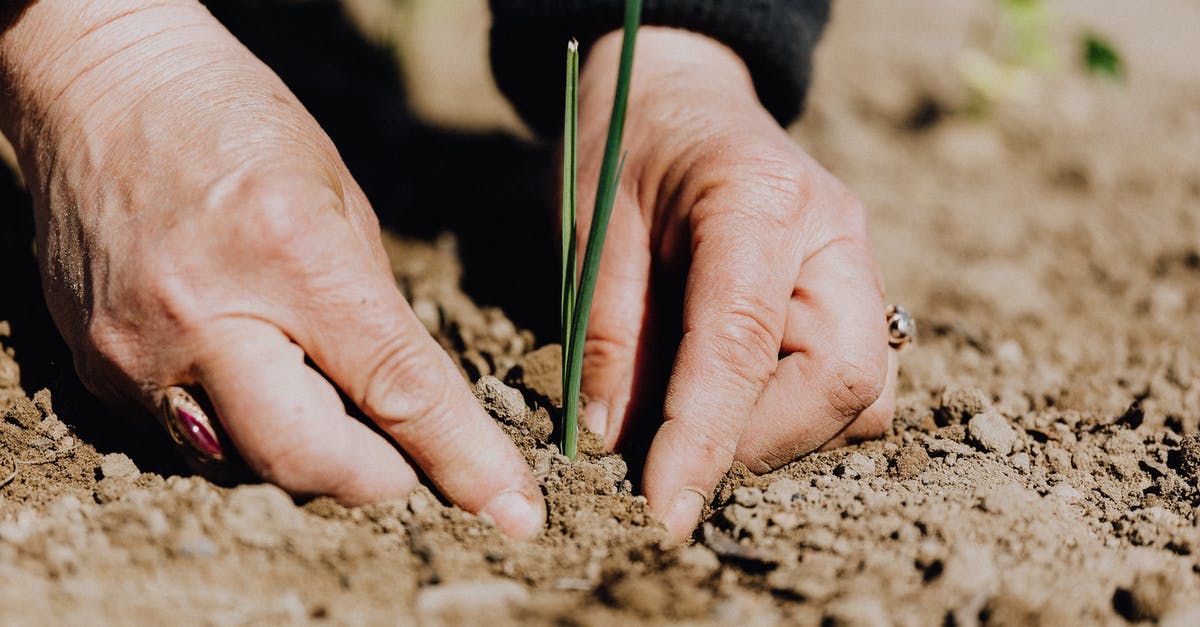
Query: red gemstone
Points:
[199, 433]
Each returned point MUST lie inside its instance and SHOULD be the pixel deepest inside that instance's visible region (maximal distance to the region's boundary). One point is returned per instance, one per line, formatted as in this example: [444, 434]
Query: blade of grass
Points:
[569, 206]
[606, 194]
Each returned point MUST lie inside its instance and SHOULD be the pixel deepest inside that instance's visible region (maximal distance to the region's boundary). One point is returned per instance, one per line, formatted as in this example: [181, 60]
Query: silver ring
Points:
[901, 327]
[190, 426]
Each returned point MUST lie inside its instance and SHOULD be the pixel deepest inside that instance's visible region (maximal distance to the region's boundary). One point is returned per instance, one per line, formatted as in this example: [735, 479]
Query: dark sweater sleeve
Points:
[774, 37]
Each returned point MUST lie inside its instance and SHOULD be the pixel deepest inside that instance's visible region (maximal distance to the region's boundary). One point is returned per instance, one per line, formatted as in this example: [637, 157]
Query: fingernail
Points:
[595, 418]
[516, 514]
[684, 514]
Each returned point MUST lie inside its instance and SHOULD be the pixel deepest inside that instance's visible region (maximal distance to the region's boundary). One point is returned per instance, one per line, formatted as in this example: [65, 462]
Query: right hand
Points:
[196, 226]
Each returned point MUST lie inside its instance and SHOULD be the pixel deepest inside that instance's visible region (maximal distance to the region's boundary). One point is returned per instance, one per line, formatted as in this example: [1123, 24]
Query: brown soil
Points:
[1042, 468]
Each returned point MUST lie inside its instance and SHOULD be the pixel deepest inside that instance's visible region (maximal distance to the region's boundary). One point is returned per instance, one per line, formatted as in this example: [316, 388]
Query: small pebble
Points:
[118, 466]
[699, 560]
[856, 465]
[961, 403]
[469, 595]
[504, 402]
[990, 432]
[1066, 492]
[747, 497]
[783, 492]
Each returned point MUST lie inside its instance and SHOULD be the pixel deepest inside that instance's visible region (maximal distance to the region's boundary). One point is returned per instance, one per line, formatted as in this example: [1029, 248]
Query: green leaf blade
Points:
[569, 202]
[610, 175]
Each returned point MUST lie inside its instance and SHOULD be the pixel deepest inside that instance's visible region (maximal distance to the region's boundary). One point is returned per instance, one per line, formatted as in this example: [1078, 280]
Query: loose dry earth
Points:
[1042, 469]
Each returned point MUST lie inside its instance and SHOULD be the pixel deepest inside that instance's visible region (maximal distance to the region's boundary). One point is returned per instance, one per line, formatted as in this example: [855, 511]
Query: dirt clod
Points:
[991, 432]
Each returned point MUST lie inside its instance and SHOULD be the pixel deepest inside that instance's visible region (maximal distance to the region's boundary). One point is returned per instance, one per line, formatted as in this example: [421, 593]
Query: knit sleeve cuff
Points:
[775, 38]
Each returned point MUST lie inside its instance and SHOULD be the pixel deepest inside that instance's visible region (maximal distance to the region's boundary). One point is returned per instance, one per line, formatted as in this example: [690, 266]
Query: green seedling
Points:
[1024, 53]
[1101, 58]
[577, 292]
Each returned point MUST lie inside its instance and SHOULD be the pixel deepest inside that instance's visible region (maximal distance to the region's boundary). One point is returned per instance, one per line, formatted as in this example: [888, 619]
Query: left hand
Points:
[784, 343]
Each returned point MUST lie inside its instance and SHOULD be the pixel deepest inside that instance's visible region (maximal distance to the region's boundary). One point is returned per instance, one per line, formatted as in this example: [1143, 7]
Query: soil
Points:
[1042, 468]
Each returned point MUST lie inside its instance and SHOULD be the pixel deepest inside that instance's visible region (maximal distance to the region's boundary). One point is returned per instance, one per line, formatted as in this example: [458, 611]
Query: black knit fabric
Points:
[774, 37]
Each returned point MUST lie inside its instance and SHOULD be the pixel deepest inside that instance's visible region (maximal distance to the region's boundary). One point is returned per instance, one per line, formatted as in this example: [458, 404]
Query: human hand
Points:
[196, 226]
[721, 215]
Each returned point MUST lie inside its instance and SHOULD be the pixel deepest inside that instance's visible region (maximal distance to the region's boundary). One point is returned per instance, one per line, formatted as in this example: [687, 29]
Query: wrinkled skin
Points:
[784, 340]
[196, 226]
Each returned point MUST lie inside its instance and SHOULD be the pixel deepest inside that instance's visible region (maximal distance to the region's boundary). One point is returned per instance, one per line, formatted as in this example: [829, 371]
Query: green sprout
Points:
[577, 293]
[1024, 53]
[1101, 58]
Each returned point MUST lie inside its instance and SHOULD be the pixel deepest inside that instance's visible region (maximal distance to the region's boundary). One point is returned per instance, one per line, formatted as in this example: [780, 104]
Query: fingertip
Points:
[595, 418]
[517, 513]
[683, 514]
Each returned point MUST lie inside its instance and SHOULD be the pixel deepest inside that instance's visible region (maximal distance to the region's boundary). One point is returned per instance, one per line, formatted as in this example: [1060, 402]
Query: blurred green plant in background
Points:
[1023, 52]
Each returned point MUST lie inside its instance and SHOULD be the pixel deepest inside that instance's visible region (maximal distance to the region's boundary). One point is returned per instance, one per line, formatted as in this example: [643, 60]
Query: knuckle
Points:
[603, 349]
[298, 463]
[282, 212]
[712, 445]
[850, 387]
[747, 341]
[403, 386]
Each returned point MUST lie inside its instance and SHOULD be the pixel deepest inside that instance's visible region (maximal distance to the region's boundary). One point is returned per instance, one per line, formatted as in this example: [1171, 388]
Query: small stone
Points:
[1189, 463]
[505, 403]
[501, 328]
[467, 598]
[856, 465]
[1021, 462]
[820, 539]
[1010, 353]
[54, 428]
[118, 466]
[990, 432]
[261, 516]
[961, 403]
[196, 546]
[1059, 459]
[747, 497]
[785, 520]
[910, 461]
[783, 492]
[737, 516]
[1066, 492]
[614, 467]
[856, 610]
[699, 560]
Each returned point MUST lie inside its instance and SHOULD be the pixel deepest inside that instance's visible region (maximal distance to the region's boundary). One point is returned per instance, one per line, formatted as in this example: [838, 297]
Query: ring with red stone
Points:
[190, 425]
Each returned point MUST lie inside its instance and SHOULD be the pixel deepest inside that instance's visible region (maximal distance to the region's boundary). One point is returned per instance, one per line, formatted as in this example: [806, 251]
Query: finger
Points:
[837, 367]
[735, 308]
[876, 419]
[373, 346]
[288, 422]
[615, 344]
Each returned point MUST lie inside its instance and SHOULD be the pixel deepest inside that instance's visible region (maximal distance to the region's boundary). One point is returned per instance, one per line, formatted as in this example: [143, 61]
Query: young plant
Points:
[1100, 57]
[577, 292]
